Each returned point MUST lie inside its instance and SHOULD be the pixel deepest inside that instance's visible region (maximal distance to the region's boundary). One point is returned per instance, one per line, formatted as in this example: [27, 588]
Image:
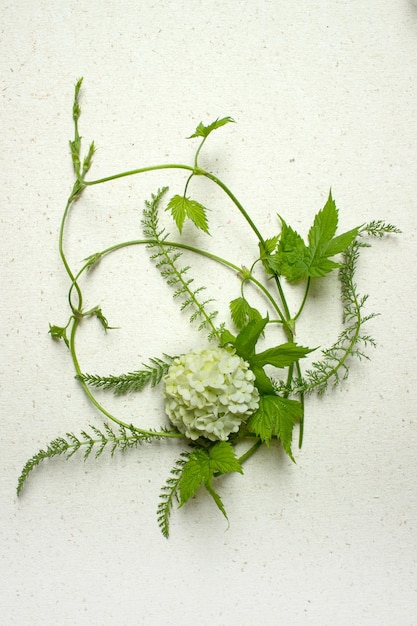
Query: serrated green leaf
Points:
[290, 259]
[320, 266]
[204, 131]
[223, 458]
[195, 472]
[266, 248]
[269, 245]
[280, 356]
[276, 416]
[242, 312]
[324, 225]
[238, 311]
[200, 468]
[295, 260]
[182, 207]
[341, 242]
[323, 244]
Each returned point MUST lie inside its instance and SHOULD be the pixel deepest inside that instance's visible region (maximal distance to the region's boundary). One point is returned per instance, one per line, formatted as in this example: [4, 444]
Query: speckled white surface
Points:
[324, 93]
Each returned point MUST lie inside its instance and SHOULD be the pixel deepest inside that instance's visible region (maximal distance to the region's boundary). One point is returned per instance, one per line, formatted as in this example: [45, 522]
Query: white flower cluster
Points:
[209, 393]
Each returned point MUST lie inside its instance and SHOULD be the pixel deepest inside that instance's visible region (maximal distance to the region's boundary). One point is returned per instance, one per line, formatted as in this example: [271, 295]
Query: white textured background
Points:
[325, 94]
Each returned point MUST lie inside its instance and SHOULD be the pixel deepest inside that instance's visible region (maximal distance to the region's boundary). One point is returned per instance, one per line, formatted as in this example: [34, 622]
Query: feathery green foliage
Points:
[87, 443]
[133, 381]
[166, 257]
[379, 228]
[351, 342]
[169, 494]
[277, 406]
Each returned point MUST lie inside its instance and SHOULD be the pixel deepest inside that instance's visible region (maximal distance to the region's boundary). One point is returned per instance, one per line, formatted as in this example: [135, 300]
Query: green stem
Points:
[140, 170]
[187, 183]
[64, 259]
[135, 242]
[304, 300]
[250, 452]
[197, 171]
[205, 253]
[272, 301]
[261, 240]
[235, 201]
[301, 431]
[198, 153]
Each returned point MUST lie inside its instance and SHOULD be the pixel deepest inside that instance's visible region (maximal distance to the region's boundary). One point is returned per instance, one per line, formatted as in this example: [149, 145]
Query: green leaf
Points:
[281, 356]
[269, 245]
[195, 472]
[262, 381]
[201, 466]
[295, 260]
[182, 208]
[323, 244]
[223, 458]
[341, 242]
[266, 248]
[290, 259]
[324, 225]
[248, 336]
[245, 343]
[276, 416]
[226, 338]
[242, 312]
[204, 131]
[127, 437]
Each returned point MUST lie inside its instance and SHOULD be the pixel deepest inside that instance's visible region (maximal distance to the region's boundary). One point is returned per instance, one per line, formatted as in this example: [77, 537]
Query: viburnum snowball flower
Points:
[209, 393]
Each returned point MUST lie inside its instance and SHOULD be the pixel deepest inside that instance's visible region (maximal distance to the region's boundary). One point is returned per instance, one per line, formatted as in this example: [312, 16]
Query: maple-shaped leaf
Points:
[182, 207]
[276, 416]
[204, 131]
[202, 466]
[295, 260]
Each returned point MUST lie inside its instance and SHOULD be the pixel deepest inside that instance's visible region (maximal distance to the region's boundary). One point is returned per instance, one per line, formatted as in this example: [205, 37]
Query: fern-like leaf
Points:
[166, 257]
[352, 342]
[97, 441]
[133, 381]
[379, 228]
[169, 493]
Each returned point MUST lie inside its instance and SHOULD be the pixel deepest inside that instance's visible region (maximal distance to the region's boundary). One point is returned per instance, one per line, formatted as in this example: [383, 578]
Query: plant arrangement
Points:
[244, 386]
